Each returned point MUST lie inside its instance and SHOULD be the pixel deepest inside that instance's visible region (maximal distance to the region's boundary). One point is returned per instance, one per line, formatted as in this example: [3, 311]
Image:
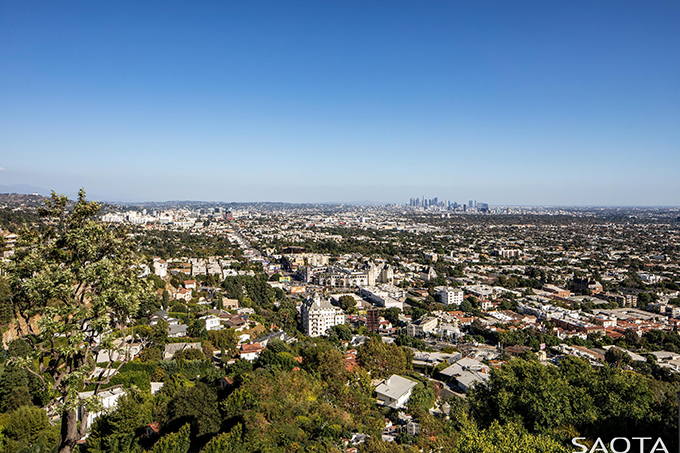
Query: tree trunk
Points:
[69, 432]
[84, 415]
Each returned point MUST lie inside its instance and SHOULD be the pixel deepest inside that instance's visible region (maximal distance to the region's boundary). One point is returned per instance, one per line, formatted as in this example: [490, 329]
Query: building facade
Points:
[318, 315]
[450, 296]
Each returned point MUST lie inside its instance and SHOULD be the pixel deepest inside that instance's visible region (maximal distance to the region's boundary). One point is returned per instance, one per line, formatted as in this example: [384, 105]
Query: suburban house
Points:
[152, 429]
[229, 304]
[173, 348]
[428, 274]
[177, 331]
[183, 294]
[108, 398]
[467, 372]
[157, 316]
[190, 284]
[211, 322]
[121, 348]
[250, 352]
[395, 391]
[160, 267]
[281, 335]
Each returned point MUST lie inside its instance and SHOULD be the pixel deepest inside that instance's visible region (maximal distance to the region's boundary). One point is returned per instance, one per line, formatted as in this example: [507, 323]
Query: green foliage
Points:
[422, 398]
[466, 306]
[152, 354]
[376, 445]
[331, 367]
[668, 341]
[277, 346]
[230, 442]
[6, 314]
[504, 438]
[598, 403]
[81, 278]
[617, 356]
[256, 289]
[178, 442]
[412, 342]
[147, 367]
[27, 430]
[197, 329]
[189, 354]
[175, 244]
[18, 388]
[19, 348]
[341, 331]
[281, 409]
[240, 366]
[274, 360]
[178, 307]
[392, 315]
[139, 379]
[382, 359]
[347, 303]
[120, 429]
[223, 339]
[159, 333]
[196, 405]
[185, 369]
[157, 282]
[26, 423]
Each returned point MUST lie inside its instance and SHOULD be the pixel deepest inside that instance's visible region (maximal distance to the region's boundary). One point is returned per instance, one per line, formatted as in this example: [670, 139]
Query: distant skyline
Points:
[509, 103]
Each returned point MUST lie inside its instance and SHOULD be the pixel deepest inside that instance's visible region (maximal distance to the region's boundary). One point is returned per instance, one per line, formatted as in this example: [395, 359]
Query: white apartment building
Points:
[211, 322]
[160, 267]
[507, 253]
[449, 296]
[318, 315]
[113, 218]
[338, 276]
[422, 327]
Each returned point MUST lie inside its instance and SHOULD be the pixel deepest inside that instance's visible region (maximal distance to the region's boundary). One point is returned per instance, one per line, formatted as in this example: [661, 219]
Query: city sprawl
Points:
[424, 326]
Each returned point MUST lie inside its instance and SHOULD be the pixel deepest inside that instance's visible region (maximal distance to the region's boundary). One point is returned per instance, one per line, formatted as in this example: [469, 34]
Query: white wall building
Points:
[318, 315]
[211, 322]
[387, 296]
[421, 327]
[108, 399]
[160, 267]
[395, 391]
[449, 296]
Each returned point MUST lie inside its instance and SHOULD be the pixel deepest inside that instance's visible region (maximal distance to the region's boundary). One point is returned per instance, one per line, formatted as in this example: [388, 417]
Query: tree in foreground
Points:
[73, 289]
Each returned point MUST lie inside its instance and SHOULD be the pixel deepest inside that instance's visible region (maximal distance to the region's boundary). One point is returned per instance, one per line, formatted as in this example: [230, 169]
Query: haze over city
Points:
[512, 103]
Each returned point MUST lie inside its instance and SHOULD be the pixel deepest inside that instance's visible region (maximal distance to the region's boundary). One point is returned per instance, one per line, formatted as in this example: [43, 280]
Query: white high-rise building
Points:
[318, 315]
[449, 296]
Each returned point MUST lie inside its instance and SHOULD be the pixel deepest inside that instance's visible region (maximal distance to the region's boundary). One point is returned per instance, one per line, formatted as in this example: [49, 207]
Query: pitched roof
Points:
[395, 387]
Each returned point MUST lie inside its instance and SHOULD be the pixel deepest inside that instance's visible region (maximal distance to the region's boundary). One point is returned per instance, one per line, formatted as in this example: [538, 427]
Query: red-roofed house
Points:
[250, 352]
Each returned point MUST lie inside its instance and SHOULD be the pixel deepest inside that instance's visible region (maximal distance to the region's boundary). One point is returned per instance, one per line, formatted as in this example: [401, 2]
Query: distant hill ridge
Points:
[18, 198]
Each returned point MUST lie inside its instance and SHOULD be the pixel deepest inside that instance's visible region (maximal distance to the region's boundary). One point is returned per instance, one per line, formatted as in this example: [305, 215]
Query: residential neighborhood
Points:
[249, 290]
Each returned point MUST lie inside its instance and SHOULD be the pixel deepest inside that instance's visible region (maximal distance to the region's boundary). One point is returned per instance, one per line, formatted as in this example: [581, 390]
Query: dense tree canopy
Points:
[598, 403]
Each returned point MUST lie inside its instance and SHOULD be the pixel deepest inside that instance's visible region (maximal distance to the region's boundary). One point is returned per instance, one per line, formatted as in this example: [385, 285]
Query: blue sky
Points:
[572, 103]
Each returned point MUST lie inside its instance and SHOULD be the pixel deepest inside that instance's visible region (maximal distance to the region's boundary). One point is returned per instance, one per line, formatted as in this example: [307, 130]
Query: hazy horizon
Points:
[522, 103]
